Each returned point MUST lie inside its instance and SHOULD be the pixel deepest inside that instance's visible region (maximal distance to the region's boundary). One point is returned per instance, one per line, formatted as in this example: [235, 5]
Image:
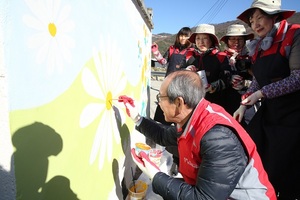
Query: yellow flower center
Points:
[52, 29]
[109, 100]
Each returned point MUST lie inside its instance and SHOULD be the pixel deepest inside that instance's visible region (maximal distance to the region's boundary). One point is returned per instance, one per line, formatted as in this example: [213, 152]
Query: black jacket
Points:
[173, 188]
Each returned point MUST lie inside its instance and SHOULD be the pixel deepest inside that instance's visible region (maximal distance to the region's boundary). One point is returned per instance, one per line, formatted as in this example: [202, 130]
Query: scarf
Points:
[263, 43]
[234, 55]
[232, 59]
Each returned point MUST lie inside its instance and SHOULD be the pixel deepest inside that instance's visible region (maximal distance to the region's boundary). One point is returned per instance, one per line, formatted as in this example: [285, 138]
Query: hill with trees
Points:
[164, 40]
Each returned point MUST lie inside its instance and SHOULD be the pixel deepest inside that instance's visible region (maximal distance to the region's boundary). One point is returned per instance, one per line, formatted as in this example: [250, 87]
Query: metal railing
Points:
[157, 74]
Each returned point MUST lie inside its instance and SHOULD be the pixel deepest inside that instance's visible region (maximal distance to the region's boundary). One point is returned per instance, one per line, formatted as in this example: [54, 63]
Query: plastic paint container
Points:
[142, 147]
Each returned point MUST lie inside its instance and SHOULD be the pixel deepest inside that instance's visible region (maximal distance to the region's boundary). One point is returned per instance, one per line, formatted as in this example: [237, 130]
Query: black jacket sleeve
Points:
[161, 134]
[223, 162]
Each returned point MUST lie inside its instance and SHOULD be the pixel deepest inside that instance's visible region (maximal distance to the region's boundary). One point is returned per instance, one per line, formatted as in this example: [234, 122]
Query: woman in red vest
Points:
[177, 54]
[235, 48]
[275, 127]
[209, 60]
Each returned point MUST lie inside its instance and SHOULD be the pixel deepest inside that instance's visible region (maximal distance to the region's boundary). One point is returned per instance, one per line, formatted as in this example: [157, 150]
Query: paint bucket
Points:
[155, 156]
[137, 190]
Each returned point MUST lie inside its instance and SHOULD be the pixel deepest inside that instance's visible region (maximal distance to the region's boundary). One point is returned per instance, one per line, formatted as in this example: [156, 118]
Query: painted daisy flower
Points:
[50, 20]
[104, 88]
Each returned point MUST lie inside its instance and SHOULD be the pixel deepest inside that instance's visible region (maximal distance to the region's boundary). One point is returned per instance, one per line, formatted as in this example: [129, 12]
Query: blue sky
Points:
[171, 15]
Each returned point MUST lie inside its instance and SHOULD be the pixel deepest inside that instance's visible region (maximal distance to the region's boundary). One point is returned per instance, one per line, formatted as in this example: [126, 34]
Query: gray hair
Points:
[186, 84]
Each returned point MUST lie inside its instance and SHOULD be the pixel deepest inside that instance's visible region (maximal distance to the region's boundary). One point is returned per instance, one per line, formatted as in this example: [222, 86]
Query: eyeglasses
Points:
[236, 39]
[158, 97]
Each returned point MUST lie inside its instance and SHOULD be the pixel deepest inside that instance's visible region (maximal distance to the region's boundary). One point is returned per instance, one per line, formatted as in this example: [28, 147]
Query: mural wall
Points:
[66, 63]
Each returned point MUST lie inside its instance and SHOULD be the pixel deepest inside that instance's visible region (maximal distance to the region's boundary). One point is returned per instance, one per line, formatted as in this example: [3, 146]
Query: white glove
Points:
[237, 82]
[132, 112]
[253, 98]
[247, 83]
[144, 163]
[232, 61]
[191, 68]
[157, 54]
[154, 48]
[239, 113]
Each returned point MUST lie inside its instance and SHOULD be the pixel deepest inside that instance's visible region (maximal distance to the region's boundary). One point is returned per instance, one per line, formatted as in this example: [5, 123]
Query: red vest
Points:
[205, 116]
[187, 52]
[284, 37]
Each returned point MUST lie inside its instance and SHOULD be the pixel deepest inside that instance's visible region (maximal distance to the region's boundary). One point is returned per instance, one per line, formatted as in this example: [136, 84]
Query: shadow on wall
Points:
[121, 190]
[34, 144]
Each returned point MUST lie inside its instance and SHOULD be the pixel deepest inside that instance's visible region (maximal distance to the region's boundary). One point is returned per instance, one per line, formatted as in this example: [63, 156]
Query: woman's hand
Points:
[237, 82]
[239, 113]
[253, 98]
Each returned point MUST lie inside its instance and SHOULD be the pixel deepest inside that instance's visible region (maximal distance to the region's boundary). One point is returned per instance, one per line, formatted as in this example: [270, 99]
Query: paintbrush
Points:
[133, 181]
[125, 99]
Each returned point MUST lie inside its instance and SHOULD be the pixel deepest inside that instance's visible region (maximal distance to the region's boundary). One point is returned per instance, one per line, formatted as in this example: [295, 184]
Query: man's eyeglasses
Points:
[158, 97]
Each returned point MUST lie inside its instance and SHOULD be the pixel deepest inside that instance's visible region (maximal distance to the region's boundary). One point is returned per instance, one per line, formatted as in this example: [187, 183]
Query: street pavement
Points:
[155, 85]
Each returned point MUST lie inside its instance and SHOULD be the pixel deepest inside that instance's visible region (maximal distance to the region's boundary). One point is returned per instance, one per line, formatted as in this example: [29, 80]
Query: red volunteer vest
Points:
[187, 52]
[283, 39]
[205, 116]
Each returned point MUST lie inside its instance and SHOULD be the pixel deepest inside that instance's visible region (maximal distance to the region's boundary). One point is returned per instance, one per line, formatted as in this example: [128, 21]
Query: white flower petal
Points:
[38, 40]
[42, 52]
[113, 126]
[33, 23]
[96, 145]
[118, 87]
[64, 47]
[90, 83]
[65, 12]
[67, 25]
[90, 113]
[103, 144]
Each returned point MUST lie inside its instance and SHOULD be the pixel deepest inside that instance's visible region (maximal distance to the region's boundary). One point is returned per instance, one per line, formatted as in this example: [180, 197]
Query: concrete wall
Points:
[61, 65]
